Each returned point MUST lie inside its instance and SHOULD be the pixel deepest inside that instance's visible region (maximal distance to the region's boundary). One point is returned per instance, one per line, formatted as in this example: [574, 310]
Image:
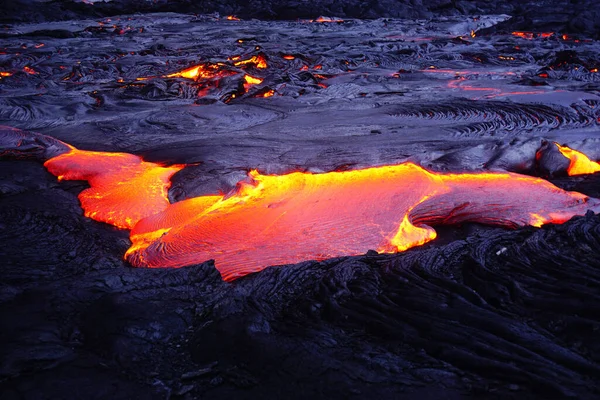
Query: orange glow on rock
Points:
[274, 220]
[268, 93]
[123, 188]
[289, 57]
[532, 35]
[327, 19]
[283, 219]
[189, 73]
[29, 70]
[524, 35]
[252, 80]
[580, 163]
[232, 18]
[202, 71]
[259, 61]
[536, 220]
[5, 74]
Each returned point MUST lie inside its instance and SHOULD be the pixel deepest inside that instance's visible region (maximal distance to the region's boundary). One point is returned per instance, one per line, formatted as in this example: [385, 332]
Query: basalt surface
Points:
[478, 312]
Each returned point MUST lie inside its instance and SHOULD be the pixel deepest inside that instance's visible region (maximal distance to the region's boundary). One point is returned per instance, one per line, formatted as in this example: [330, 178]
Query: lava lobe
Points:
[283, 219]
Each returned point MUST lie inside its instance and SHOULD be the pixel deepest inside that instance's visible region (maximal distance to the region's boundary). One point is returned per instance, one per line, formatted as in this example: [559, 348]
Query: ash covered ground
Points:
[479, 312]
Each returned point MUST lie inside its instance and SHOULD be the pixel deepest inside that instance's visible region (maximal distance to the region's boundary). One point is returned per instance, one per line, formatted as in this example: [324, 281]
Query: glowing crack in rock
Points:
[283, 219]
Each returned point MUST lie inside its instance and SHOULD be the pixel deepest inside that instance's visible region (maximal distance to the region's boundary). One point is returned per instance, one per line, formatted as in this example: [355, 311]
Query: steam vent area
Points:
[387, 199]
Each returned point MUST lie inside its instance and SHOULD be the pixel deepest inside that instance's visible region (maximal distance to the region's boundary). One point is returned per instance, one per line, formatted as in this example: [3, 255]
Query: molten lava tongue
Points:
[123, 188]
[580, 163]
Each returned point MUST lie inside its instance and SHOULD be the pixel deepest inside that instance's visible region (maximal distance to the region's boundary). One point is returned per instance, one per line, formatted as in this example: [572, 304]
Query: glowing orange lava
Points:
[250, 80]
[204, 71]
[285, 219]
[124, 188]
[580, 163]
[532, 35]
[232, 18]
[259, 61]
[5, 74]
[326, 19]
[29, 70]
[273, 220]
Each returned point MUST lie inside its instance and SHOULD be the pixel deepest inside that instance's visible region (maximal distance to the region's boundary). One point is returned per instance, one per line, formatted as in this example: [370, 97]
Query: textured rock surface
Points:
[580, 16]
[498, 313]
[479, 312]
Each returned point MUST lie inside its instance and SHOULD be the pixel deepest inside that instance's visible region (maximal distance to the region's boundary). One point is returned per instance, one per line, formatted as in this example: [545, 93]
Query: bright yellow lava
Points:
[580, 163]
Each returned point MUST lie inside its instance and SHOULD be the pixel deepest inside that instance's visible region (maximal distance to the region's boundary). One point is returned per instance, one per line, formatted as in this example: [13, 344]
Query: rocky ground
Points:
[480, 312]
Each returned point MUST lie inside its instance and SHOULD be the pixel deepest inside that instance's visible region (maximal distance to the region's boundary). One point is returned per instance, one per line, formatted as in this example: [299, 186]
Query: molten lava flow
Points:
[124, 189]
[284, 219]
[204, 71]
[5, 74]
[259, 61]
[250, 80]
[271, 220]
[580, 163]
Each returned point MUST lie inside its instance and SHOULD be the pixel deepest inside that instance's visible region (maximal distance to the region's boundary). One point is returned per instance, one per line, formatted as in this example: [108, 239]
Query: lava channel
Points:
[284, 219]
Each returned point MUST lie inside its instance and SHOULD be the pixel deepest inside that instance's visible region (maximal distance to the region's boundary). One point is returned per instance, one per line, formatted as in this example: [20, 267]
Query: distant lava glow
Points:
[532, 35]
[327, 19]
[283, 219]
[580, 163]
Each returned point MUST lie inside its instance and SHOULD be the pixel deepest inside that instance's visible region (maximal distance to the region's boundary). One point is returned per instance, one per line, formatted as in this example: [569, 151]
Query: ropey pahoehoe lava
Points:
[282, 219]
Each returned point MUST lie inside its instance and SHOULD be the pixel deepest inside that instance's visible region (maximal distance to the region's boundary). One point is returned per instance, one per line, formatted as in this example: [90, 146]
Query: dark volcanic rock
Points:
[580, 16]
